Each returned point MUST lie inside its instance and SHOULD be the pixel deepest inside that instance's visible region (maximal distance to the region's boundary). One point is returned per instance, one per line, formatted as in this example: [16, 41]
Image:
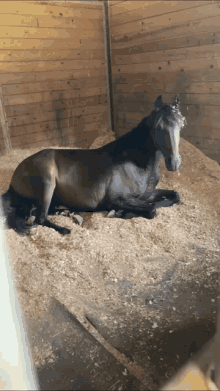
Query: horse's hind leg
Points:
[43, 205]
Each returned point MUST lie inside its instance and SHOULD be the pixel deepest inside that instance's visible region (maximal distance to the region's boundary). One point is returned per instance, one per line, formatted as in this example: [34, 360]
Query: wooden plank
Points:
[139, 111]
[173, 79]
[204, 131]
[43, 135]
[166, 21]
[37, 97]
[33, 138]
[204, 88]
[85, 110]
[200, 126]
[36, 66]
[129, 6]
[4, 124]
[134, 86]
[56, 75]
[49, 33]
[187, 99]
[53, 142]
[58, 114]
[54, 85]
[162, 45]
[52, 95]
[111, 2]
[82, 121]
[50, 22]
[145, 108]
[55, 8]
[204, 143]
[83, 42]
[182, 66]
[52, 55]
[139, 10]
[205, 25]
[39, 108]
[80, 102]
[206, 51]
[38, 127]
[205, 113]
[37, 117]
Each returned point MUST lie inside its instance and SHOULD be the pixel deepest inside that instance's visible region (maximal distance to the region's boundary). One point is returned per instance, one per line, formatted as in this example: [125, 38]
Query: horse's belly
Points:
[79, 197]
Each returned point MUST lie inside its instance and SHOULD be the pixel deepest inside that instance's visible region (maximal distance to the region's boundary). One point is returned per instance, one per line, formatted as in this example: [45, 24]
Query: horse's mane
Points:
[135, 135]
[141, 134]
[170, 115]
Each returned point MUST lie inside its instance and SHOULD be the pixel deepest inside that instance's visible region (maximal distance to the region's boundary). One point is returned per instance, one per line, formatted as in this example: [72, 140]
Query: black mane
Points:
[140, 136]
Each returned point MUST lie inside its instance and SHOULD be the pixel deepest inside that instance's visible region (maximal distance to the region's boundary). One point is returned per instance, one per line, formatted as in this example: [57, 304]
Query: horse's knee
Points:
[40, 220]
[65, 231]
[150, 214]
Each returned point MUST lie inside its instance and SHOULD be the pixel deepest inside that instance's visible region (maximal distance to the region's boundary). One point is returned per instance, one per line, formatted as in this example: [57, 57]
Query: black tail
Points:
[15, 210]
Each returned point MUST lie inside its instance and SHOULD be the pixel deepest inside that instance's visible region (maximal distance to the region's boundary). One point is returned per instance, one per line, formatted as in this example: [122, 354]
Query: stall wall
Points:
[168, 47]
[52, 73]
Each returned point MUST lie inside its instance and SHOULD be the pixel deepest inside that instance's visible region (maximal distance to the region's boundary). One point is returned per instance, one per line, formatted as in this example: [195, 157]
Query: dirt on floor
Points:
[137, 280]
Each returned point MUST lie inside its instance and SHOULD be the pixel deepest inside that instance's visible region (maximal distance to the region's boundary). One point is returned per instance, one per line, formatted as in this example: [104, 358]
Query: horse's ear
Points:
[176, 101]
[159, 103]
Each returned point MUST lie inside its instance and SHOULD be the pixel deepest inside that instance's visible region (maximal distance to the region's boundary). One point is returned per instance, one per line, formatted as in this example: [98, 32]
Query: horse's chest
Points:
[129, 179]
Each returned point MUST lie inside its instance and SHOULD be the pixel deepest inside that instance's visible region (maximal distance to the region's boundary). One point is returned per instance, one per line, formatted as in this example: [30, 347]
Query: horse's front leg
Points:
[141, 206]
[165, 198]
[144, 206]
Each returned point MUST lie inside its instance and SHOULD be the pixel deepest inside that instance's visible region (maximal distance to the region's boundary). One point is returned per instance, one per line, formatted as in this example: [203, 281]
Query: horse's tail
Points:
[14, 211]
[7, 208]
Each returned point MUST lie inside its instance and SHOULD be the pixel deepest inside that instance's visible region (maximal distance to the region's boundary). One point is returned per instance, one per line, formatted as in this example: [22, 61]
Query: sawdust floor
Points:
[148, 286]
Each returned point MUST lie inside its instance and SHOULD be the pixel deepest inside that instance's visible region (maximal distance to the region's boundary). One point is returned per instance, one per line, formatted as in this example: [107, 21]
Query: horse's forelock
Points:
[169, 115]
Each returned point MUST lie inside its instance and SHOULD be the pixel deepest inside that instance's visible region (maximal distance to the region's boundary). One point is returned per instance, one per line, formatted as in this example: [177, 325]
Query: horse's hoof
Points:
[111, 214]
[65, 212]
[150, 214]
[30, 221]
[65, 231]
[118, 214]
[33, 226]
[77, 219]
[175, 196]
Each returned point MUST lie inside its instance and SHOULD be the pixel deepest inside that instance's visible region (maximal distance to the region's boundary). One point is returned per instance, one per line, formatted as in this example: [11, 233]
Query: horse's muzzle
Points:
[173, 164]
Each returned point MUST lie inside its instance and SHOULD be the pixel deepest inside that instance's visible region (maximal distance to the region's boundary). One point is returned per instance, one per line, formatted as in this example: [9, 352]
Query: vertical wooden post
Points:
[4, 123]
[109, 66]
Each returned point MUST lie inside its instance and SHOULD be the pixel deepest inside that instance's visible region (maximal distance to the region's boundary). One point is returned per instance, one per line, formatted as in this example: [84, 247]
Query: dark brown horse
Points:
[120, 176]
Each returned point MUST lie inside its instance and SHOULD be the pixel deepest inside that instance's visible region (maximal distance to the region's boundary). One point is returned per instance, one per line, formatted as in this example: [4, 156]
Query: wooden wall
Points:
[52, 73]
[168, 47]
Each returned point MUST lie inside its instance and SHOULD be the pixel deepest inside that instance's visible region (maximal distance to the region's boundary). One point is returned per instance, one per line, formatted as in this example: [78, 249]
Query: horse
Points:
[119, 177]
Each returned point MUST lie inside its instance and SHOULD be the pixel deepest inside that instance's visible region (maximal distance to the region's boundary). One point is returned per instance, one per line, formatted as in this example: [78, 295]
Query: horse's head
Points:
[168, 121]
